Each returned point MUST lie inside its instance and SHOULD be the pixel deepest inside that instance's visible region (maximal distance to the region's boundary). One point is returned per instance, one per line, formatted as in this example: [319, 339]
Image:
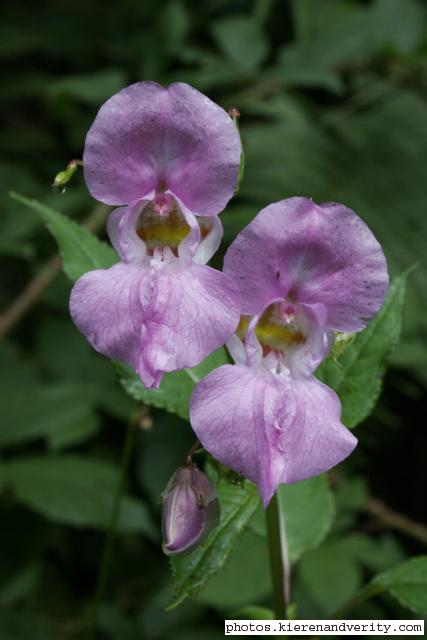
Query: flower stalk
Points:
[192, 451]
[107, 551]
[279, 557]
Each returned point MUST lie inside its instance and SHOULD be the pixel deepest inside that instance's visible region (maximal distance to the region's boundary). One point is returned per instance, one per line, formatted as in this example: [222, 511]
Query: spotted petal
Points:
[147, 135]
[316, 254]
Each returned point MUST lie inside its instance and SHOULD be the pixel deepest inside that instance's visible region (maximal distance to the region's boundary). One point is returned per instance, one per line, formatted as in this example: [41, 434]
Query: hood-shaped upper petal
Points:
[269, 429]
[317, 254]
[156, 320]
[148, 136]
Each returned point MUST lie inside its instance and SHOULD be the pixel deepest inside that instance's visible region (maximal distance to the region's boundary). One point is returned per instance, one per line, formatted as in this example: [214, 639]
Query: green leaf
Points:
[358, 376]
[244, 578]
[399, 23]
[331, 574]
[309, 511]
[2, 477]
[90, 88]
[376, 554]
[173, 394]
[238, 504]
[407, 583]
[175, 389]
[350, 497]
[242, 41]
[80, 250]
[74, 490]
[23, 625]
[62, 413]
[21, 584]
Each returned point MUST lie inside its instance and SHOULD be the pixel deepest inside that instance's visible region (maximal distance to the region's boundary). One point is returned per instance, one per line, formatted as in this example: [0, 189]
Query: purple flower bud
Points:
[190, 510]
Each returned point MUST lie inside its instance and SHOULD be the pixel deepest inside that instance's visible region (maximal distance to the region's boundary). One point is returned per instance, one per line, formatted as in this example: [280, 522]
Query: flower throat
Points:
[162, 224]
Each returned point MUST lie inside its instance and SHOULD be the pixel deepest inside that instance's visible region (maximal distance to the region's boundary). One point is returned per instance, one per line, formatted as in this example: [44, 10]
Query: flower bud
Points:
[63, 177]
[190, 510]
[341, 343]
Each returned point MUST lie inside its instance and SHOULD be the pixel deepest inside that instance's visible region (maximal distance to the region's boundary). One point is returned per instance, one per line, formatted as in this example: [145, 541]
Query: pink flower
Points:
[304, 271]
[167, 155]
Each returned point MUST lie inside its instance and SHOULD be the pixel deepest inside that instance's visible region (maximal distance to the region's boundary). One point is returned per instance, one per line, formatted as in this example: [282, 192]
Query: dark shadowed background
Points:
[332, 95]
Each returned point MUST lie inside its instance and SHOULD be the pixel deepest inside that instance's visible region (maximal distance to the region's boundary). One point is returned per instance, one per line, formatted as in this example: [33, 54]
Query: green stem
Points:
[366, 593]
[279, 557]
[107, 551]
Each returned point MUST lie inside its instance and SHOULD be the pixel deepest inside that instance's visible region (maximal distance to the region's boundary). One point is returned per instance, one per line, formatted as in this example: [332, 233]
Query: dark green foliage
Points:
[333, 106]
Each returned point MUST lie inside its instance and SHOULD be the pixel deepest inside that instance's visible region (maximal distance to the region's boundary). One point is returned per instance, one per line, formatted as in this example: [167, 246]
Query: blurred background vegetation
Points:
[332, 95]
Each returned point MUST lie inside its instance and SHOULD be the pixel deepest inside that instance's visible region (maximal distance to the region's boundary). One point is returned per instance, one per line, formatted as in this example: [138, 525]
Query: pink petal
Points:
[316, 254]
[315, 440]
[270, 429]
[105, 306]
[231, 410]
[192, 312]
[121, 228]
[156, 320]
[147, 135]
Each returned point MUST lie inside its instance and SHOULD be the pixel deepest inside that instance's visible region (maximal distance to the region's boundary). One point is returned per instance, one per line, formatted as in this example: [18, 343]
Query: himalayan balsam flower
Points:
[190, 510]
[304, 271]
[166, 155]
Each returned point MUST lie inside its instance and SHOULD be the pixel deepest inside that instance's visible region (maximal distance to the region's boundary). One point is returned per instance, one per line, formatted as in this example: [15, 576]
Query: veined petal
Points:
[156, 320]
[148, 135]
[268, 428]
[105, 306]
[230, 411]
[317, 254]
[315, 440]
[192, 312]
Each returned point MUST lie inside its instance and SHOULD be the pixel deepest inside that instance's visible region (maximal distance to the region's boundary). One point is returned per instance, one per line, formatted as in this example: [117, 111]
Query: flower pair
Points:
[296, 274]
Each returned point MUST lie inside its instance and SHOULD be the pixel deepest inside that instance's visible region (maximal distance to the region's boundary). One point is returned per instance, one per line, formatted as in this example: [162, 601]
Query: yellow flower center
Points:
[280, 328]
[162, 230]
[165, 228]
